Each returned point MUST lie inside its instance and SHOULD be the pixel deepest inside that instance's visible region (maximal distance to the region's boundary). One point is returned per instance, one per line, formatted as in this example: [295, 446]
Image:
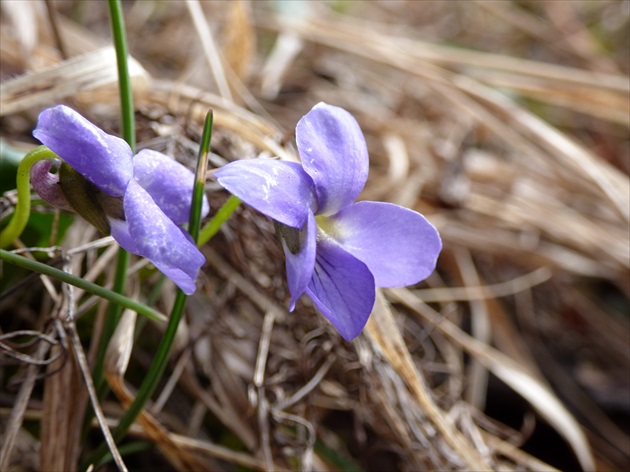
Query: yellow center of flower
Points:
[327, 227]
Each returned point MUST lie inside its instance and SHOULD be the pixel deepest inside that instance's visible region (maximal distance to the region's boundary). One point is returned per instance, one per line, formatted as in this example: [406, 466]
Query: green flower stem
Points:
[127, 118]
[129, 134]
[128, 129]
[200, 177]
[127, 450]
[113, 297]
[112, 317]
[213, 226]
[23, 207]
[160, 360]
[220, 217]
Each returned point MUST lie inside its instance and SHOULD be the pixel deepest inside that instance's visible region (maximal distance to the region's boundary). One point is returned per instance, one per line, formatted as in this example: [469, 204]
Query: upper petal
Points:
[300, 265]
[342, 288]
[280, 190]
[399, 246]
[169, 183]
[151, 234]
[103, 159]
[333, 152]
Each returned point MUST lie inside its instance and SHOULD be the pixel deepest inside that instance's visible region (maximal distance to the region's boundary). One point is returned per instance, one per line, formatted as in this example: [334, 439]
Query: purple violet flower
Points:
[337, 251]
[140, 199]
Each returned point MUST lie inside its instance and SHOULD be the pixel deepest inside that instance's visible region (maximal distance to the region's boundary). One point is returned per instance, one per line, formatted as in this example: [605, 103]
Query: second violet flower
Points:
[337, 251]
[141, 200]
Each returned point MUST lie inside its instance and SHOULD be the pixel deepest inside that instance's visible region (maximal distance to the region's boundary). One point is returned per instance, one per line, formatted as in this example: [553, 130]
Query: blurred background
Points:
[504, 123]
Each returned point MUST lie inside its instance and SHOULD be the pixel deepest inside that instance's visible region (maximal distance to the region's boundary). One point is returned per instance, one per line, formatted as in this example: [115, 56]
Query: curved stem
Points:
[23, 207]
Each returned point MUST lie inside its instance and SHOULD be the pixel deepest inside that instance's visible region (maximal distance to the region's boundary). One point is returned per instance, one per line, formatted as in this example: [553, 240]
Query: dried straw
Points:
[514, 146]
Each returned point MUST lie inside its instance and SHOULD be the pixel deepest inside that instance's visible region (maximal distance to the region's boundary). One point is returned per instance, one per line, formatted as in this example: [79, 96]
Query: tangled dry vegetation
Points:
[505, 123]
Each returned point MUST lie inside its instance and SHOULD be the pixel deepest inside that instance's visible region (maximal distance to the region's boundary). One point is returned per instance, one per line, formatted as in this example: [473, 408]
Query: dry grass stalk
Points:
[512, 374]
[63, 403]
[16, 417]
[382, 331]
[116, 362]
[531, 211]
[89, 72]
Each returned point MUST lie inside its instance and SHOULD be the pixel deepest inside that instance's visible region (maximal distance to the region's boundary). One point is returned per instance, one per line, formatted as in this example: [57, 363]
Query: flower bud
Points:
[46, 183]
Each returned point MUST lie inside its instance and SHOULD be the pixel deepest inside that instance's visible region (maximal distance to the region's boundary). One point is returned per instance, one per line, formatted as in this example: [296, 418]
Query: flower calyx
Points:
[87, 200]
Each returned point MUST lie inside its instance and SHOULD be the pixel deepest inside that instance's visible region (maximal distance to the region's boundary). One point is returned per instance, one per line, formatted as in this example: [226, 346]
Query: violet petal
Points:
[333, 152]
[300, 266]
[342, 288]
[103, 159]
[154, 236]
[120, 232]
[280, 190]
[169, 183]
[399, 246]
[47, 185]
